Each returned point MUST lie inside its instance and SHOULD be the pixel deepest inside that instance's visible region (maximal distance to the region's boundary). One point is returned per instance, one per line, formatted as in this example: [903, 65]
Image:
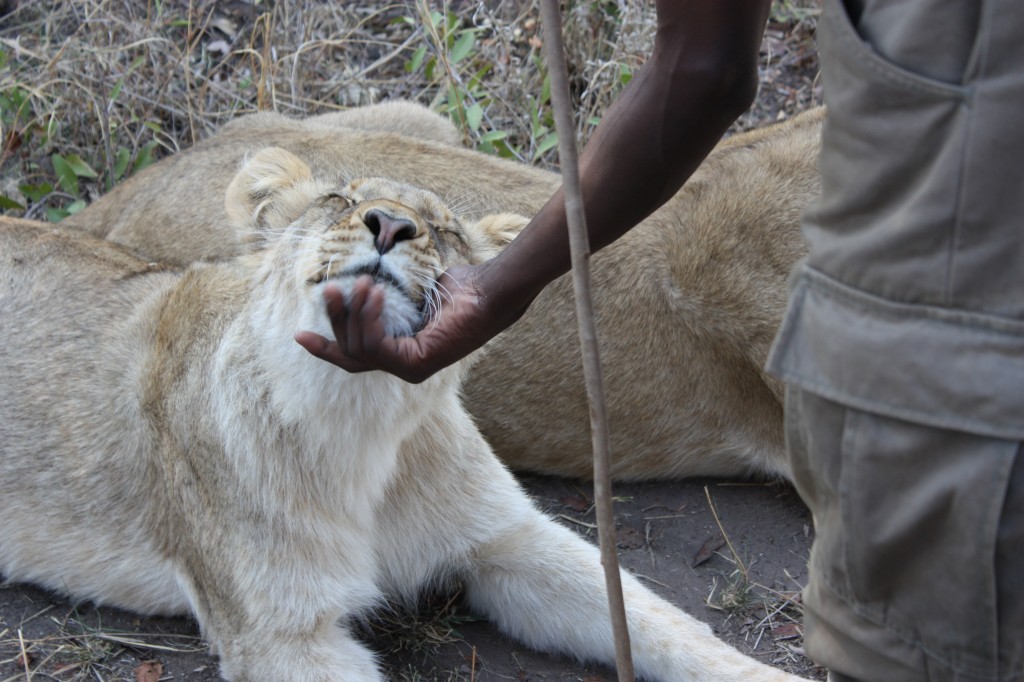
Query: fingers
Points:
[361, 321]
[362, 343]
[351, 338]
[328, 350]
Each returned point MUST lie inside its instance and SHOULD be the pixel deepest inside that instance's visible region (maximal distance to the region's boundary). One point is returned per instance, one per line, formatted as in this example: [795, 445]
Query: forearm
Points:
[700, 77]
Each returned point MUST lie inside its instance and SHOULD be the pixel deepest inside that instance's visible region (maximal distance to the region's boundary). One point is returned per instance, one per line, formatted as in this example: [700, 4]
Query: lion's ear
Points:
[493, 233]
[270, 191]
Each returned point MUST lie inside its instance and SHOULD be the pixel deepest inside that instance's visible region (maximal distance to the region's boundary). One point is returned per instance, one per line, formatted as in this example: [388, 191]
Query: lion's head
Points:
[402, 236]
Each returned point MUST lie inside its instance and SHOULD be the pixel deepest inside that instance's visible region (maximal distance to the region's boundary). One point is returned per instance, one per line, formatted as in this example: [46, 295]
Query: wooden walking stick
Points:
[580, 253]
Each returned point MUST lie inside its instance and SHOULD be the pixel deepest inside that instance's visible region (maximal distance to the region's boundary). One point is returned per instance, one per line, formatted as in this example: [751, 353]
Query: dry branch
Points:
[554, 53]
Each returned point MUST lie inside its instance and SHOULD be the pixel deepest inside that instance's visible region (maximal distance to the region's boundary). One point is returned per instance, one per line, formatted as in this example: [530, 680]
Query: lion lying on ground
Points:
[166, 447]
[688, 302]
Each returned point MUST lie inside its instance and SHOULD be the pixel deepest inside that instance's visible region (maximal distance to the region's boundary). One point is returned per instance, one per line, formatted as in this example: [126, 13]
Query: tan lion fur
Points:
[166, 447]
[688, 302]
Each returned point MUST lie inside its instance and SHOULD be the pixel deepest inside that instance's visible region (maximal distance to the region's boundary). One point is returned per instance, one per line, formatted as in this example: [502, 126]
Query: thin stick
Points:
[580, 252]
[24, 656]
[735, 554]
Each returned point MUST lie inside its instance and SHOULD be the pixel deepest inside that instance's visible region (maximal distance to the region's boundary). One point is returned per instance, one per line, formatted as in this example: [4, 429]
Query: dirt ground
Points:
[668, 535]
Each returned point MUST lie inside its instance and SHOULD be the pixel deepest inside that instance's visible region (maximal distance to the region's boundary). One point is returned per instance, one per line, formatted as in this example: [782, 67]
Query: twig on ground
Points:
[735, 555]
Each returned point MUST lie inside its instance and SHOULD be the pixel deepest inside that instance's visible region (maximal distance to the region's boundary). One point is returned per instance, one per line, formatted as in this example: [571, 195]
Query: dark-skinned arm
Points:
[702, 74]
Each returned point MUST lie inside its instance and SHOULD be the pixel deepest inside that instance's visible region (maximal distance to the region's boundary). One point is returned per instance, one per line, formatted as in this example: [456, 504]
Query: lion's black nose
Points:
[388, 230]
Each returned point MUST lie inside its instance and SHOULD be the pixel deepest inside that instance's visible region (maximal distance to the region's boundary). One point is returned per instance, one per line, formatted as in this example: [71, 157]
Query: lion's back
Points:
[65, 365]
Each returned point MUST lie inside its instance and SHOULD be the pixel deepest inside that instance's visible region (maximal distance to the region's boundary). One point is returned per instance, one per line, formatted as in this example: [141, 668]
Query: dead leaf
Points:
[787, 631]
[220, 46]
[707, 550]
[24, 660]
[226, 26]
[149, 671]
[577, 503]
[629, 538]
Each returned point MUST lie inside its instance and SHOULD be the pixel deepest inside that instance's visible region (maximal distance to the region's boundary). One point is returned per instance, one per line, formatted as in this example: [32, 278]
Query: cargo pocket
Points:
[844, 43]
[892, 167]
[875, 99]
[921, 509]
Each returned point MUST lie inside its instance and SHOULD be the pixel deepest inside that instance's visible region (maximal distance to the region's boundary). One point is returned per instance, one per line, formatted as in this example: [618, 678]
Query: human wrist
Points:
[509, 282]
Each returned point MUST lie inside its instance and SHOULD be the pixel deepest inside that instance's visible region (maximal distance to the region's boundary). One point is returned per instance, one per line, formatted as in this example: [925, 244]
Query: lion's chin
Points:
[401, 316]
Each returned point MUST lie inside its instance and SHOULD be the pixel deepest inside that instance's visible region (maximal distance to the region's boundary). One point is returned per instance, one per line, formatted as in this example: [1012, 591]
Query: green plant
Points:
[52, 181]
[453, 59]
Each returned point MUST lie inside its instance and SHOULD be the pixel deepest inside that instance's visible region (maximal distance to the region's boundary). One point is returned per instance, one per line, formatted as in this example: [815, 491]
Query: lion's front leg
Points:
[455, 509]
[276, 611]
[544, 585]
[327, 654]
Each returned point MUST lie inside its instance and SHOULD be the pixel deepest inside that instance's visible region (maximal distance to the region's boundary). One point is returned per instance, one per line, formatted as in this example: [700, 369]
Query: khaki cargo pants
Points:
[917, 571]
[904, 344]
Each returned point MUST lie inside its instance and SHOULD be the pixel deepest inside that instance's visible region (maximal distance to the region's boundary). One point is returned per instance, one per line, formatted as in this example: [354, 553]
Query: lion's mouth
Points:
[379, 274]
[382, 275]
[405, 308]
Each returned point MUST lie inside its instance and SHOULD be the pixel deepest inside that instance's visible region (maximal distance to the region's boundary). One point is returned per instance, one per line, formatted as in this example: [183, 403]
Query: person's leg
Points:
[915, 568]
[1010, 577]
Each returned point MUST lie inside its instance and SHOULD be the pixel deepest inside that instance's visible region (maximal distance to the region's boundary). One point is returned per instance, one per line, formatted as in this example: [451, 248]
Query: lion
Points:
[166, 447]
[688, 302]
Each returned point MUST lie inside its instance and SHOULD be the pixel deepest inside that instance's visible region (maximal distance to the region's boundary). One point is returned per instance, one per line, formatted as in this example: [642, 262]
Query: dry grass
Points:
[45, 646]
[761, 613]
[117, 83]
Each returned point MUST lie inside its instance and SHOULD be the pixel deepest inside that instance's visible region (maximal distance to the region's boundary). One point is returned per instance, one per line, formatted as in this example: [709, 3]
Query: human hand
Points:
[464, 321]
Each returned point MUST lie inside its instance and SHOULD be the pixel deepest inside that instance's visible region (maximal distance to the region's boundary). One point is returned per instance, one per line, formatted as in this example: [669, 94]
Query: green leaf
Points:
[12, 105]
[36, 193]
[502, 149]
[463, 46]
[144, 157]
[55, 215]
[534, 110]
[121, 159]
[7, 202]
[416, 62]
[478, 77]
[494, 135]
[549, 141]
[117, 89]
[75, 206]
[80, 167]
[65, 175]
[52, 131]
[152, 125]
[474, 115]
[625, 74]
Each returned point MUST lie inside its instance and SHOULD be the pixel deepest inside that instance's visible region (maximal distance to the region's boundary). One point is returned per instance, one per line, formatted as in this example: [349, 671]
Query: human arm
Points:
[701, 75]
